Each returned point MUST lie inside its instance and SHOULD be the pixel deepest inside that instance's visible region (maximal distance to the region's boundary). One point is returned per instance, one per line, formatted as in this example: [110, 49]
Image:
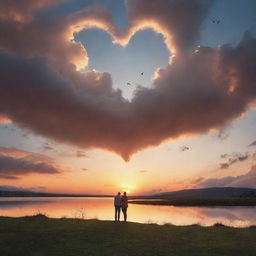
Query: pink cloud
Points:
[245, 180]
[15, 163]
[178, 21]
[197, 92]
[21, 10]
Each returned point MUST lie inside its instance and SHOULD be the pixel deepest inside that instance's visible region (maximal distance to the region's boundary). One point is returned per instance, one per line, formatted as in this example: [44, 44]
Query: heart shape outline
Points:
[74, 23]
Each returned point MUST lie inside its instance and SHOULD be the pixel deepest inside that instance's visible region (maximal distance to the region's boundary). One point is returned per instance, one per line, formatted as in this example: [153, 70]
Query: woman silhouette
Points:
[124, 205]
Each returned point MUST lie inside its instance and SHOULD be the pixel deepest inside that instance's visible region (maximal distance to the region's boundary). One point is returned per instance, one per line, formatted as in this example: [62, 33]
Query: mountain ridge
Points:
[213, 192]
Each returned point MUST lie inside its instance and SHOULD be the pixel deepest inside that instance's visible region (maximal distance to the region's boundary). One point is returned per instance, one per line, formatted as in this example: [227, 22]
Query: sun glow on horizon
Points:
[126, 189]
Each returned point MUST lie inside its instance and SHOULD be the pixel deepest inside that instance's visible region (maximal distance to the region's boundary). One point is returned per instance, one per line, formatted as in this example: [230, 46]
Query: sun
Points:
[126, 188]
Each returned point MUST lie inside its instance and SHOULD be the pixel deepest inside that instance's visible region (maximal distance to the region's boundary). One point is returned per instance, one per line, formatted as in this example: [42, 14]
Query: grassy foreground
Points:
[38, 236]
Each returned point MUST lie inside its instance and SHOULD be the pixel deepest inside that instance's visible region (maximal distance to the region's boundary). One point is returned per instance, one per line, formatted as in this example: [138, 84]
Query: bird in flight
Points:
[216, 21]
[128, 83]
[142, 73]
[185, 148]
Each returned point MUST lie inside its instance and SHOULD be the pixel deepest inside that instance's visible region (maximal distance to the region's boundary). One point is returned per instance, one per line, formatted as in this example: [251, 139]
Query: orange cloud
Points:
[5, 120]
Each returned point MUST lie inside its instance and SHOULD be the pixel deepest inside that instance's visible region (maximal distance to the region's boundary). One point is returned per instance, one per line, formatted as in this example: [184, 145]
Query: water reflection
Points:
[9, 204]
[102, 208]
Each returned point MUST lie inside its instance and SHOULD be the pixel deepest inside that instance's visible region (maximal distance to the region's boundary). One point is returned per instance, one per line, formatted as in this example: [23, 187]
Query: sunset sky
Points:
[100, 96]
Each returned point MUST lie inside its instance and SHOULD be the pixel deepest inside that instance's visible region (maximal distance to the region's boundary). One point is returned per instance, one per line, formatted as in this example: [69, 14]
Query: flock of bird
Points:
[215, 21]
[142, 74]
[183, 148]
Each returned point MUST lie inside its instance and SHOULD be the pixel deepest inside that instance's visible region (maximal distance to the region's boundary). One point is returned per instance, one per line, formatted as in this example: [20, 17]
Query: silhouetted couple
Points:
[121, 202]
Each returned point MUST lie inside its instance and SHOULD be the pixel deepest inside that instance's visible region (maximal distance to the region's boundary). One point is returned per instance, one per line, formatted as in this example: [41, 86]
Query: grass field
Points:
[39, 235]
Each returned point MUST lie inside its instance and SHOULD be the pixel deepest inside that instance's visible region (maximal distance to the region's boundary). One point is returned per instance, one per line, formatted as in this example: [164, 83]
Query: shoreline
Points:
[197, 202]
[44, 216]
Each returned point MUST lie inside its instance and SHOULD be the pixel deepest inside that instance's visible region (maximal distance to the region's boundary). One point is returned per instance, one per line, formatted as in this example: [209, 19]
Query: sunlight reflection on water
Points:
[102, 208]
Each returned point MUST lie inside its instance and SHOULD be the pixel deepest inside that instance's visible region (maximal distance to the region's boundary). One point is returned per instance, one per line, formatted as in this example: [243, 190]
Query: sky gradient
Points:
[77, 115]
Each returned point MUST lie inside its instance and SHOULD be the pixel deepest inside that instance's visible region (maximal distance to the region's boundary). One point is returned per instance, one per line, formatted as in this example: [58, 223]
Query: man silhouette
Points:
[124, 204]
[117, 204]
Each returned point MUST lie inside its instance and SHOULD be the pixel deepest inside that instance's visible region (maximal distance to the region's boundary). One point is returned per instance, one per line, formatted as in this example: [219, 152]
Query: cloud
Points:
[15, 188]
[4, 119]
[233, 158]
[80, 154]
[47, 146]
[223, 135]
[178, 21]
[53, 36]
[197, 180]
[224, 165]
[10, 188]
[20, 11]
[15, 163]
[245, 180]
[252, 144]
[8, 177]
[52, 98]
[188, 104]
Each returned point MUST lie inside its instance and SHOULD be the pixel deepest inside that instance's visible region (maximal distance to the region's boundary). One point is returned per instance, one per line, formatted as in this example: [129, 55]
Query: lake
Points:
[102, 208]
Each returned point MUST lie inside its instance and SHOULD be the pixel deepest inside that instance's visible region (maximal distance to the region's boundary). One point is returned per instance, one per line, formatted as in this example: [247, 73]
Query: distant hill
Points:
[203, 193]
[218, 192]
[27, 193]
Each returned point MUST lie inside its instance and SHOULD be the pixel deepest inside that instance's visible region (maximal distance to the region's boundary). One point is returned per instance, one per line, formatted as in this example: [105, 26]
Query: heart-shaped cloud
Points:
[198, 90]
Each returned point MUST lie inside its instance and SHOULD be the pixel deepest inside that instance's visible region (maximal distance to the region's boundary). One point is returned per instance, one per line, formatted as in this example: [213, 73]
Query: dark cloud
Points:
[233, 158]
[46, 146]
[188, 104]
[197, 180]
[14, 166]
[53, 36]
[245, 180]
[83, 109]
[10, 188]
[243, 157]
[15, 188]
[179, 21]
[224, 156]
[80, 154]
[15, 163]
[8, 177]
[252, 144]
[223, 135]
[21, 10]
[224, 165]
